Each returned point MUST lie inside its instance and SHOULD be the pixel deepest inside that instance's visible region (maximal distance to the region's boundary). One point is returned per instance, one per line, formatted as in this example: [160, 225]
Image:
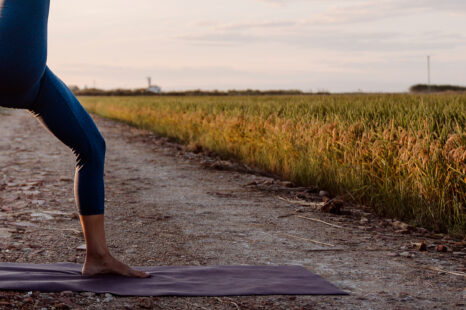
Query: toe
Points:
[141, 274]
[138, 274]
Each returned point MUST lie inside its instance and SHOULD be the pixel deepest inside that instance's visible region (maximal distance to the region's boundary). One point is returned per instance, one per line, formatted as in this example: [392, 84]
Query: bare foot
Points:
[107, 264]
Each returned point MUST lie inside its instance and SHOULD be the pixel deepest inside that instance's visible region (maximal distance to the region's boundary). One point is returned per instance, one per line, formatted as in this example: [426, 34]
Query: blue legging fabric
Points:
[27, 83]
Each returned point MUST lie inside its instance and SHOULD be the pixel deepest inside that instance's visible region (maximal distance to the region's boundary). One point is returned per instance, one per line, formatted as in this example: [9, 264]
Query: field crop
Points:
[402, 155]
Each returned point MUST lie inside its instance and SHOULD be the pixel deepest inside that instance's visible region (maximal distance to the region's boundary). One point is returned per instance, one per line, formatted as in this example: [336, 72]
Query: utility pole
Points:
[428, 71]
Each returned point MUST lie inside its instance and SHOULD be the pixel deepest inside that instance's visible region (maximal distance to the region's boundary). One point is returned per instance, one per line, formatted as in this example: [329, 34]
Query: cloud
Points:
[327, 29]
[449, 5]
[354, 11]
[382, 41]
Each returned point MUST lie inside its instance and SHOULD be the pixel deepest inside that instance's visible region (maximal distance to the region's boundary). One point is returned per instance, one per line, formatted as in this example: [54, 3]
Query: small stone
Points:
[144, 302]
[323, 194]
[364, 220]
[268, 181]
[333, 206]
[421, 246]
[441, 248]
[81, 247]
[393, 254]
[287, 184]
[38, 202]
[403, 294]
[459, 253]
[407, 255]
[28, 299]
[24, 224]
[400, 226]
[66, 293]
[88, 294]
[41, 216]
[108, 297]
[422, 231]
[130, 251]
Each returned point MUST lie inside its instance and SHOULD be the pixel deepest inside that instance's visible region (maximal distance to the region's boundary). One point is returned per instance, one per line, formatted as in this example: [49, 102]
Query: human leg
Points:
[61, 113]
[26, 83]
[98, 259]
[23, 50]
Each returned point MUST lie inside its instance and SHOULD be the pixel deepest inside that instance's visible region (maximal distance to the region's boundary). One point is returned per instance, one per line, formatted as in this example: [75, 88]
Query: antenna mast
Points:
[428, 70]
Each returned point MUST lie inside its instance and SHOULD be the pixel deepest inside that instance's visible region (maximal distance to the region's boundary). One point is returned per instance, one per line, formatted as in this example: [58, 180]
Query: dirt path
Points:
[165, 208]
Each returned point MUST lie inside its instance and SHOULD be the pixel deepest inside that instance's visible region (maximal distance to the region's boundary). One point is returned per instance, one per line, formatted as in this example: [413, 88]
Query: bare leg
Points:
[98, 258]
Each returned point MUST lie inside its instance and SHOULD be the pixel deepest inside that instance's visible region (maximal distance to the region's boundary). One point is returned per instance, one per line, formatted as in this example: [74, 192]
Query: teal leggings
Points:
[27, 83]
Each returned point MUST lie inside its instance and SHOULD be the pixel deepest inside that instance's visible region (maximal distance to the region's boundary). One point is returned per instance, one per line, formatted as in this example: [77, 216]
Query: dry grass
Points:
[403, 155]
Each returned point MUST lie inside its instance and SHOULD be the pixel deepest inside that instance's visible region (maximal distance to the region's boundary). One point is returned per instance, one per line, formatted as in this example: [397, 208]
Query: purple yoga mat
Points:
[169, 280]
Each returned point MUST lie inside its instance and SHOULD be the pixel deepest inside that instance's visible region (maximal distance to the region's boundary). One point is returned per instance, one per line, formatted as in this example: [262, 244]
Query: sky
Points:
[311, 45]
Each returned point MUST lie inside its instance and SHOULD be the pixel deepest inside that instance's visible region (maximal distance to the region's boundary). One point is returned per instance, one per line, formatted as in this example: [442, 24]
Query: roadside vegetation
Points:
[403, 155]
[424, 88]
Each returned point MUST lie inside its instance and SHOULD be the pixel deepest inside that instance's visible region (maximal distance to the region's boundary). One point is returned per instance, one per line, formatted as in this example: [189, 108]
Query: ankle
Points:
[98, 254]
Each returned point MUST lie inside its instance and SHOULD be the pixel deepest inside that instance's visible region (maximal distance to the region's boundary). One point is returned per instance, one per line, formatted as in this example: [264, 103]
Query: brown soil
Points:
[168, 206]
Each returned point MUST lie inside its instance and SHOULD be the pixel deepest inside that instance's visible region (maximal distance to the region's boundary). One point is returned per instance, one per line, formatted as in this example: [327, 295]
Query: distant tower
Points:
[152, 88]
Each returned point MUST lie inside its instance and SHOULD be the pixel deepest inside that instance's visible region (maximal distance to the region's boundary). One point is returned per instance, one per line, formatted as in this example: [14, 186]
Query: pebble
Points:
[287, 184]
[108, 297]
[406, 254]
[441, 248]
[397, 225]
[24, 224]
[81, 247]
[42, 216]
[323, 194]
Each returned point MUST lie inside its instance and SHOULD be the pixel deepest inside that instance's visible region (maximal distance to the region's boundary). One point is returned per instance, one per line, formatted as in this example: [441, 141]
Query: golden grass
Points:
[403, 155]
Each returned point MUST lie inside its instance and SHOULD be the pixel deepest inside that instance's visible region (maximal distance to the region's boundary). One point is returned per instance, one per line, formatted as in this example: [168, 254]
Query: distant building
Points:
[153, 88]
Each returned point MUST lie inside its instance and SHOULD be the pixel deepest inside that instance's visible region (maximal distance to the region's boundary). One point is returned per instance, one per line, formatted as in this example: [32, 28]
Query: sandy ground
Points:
[168, 206]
